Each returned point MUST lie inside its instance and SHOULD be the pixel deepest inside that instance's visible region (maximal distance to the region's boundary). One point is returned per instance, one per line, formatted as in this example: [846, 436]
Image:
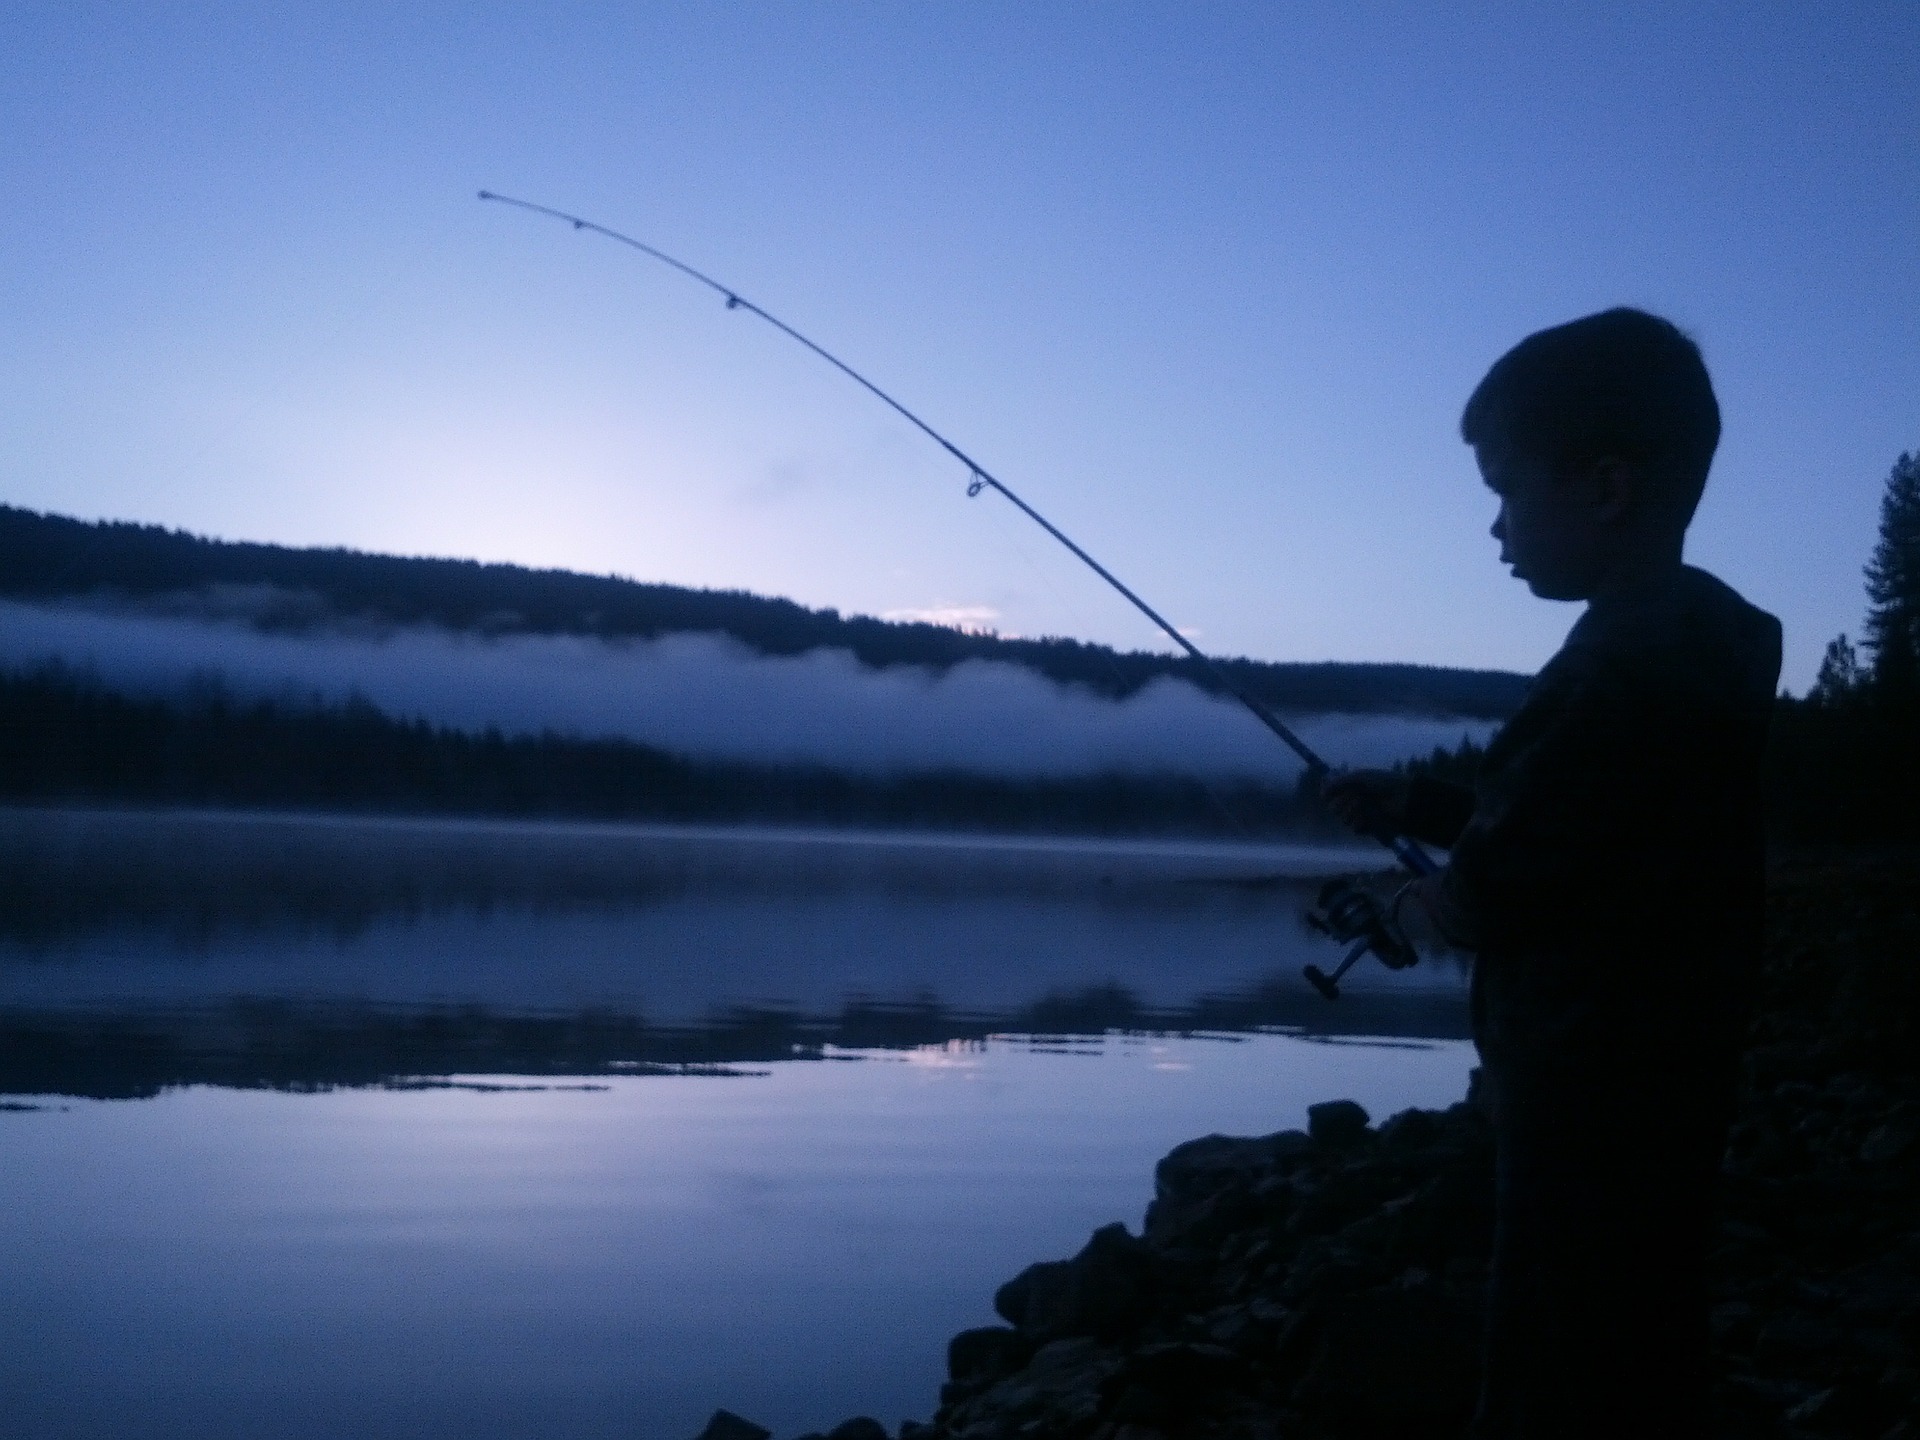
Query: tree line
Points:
[65, 739]
[1844, 765]
[51, 557]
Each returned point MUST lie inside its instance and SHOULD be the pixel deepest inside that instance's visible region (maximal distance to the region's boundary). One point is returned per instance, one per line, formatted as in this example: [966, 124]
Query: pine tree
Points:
[1893, 586]
[1841, 678]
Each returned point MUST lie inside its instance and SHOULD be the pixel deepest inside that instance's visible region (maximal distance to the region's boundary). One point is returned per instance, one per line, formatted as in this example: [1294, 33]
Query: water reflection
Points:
[586, 1164]
[142, 951]
[507, 1258]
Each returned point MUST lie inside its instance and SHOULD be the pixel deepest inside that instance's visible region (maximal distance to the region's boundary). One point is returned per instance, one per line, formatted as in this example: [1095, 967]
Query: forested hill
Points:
[50, 557]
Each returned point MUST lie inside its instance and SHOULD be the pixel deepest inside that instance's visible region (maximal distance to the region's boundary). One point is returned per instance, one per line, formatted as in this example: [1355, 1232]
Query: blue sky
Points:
[1207, 284]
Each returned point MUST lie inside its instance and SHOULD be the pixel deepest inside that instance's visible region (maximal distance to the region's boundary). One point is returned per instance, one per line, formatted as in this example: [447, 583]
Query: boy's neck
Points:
[1642, 570]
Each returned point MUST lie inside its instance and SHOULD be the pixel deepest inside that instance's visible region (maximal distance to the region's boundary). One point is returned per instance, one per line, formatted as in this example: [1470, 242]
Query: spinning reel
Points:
[1352, 915]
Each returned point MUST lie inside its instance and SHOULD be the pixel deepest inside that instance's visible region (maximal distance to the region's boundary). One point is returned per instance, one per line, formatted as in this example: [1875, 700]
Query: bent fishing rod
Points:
[1404, 848]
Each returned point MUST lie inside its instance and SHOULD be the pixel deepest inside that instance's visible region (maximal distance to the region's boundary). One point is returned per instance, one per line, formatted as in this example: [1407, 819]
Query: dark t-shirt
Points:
[1608, 869]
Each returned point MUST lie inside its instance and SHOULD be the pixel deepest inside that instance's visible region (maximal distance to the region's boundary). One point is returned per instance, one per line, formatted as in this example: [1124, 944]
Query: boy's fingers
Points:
[1358, 813]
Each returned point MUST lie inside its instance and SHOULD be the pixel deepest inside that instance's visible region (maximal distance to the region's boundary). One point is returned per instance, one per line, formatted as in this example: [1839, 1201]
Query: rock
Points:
[1234, 1327]
[1889, 1142]
[1761, 1394]
[1815, 1410]
[1104, 1291]
[861, 1427]
[1029, 1290]
[1409, 1130]
[986, 1353]
[1182, 1367]
[1269, 1313]
[1324, 1268]
[1328, 1283]
[725, 1425]
[1349, 1194]
[1447, 1225]
[1208, 1188]
[1336, 1124]
[1063, 1357]
[1058, 1391]
[1162, 1385]
[1838, 1408]
[1796, 1339]
[1735, 1324]
[1393, 1361]
[1900, 1388]
[1204, 1165]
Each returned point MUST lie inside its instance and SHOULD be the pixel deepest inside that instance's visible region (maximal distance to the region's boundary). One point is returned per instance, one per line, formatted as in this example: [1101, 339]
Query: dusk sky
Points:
[1207, 284]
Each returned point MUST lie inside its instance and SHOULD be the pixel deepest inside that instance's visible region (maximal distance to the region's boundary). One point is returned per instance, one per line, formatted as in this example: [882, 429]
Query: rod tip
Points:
[486, 195]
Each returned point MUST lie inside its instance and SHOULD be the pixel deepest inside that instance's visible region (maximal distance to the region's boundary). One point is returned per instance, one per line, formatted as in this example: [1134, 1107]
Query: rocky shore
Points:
[1328, 1282]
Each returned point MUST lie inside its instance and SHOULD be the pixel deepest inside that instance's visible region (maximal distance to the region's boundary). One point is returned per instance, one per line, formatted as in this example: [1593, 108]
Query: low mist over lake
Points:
[710, 697]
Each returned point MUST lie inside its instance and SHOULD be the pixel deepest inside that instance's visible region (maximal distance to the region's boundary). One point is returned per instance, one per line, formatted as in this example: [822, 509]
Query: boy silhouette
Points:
[1607, 872]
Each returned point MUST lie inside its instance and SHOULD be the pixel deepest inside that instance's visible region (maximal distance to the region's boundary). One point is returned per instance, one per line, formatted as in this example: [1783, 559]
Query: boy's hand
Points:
[1370, 802]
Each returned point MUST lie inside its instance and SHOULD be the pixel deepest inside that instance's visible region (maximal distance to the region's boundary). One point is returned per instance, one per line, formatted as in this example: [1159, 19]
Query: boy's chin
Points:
[1550, 588]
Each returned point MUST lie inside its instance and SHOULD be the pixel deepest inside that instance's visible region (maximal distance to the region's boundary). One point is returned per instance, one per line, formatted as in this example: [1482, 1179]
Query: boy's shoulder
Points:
[1694, 636]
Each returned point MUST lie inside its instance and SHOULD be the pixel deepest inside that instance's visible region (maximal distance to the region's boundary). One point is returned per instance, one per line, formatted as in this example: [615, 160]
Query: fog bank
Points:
[709, 697]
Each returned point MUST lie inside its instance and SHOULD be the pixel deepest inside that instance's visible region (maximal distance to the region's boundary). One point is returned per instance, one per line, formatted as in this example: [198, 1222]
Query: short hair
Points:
[1621, 384]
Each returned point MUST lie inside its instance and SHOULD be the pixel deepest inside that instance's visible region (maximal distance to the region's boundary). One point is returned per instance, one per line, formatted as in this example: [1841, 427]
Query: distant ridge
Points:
[51, 557]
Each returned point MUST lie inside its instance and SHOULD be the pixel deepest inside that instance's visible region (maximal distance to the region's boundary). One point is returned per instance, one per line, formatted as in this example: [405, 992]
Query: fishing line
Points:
[979, 478]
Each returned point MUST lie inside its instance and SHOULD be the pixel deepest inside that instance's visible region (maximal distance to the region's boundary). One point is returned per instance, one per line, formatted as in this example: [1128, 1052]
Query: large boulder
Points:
[1337, 1124]
[1392, 1363]
[986, 1353]
[1204, 1166]
[1164, 1385]
[1105, 1291]
[725, 1425]
[1208, 1188]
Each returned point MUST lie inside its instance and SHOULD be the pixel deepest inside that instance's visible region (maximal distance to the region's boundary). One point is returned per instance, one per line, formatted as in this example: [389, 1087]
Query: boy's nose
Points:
[1499, 529]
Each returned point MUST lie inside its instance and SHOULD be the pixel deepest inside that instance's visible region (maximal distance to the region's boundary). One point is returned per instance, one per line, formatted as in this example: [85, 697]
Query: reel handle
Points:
[1329, 985]
[1346, 912]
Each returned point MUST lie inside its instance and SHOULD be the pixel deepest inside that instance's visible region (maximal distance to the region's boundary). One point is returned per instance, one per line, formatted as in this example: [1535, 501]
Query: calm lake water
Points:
[326, 1127]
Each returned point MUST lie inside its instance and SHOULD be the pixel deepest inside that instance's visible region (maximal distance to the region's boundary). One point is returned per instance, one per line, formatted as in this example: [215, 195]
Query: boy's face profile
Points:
[1560, 531]
[1597, 436]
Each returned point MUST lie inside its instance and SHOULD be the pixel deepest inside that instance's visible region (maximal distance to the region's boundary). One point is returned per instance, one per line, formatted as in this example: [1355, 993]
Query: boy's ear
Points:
[1618, 487]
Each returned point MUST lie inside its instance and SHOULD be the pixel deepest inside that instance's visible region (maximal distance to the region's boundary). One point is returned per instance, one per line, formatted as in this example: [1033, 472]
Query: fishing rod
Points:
[1366, 930]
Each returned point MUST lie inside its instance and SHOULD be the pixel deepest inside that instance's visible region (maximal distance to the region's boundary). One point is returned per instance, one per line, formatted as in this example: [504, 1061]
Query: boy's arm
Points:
[1386, 802]
[1557, 810]
[1437, 811]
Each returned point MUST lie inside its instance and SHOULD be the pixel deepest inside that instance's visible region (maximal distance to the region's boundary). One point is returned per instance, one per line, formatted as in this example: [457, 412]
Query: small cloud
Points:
[968, 619]
[1192, 632]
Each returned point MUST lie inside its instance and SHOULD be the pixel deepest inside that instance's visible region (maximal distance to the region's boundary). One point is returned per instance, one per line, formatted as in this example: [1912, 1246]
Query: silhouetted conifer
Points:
[1841, 678]
[1893, 587]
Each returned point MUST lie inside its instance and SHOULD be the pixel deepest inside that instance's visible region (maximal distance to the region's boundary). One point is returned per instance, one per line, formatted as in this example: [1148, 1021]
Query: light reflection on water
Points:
[797, 1246]
[529, 1252]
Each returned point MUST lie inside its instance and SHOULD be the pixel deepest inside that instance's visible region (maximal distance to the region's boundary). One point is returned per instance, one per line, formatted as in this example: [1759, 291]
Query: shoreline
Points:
[1327, 1283]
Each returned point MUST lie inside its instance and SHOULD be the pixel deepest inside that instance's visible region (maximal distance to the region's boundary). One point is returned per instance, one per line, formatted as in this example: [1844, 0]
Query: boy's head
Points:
[1597, 435]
